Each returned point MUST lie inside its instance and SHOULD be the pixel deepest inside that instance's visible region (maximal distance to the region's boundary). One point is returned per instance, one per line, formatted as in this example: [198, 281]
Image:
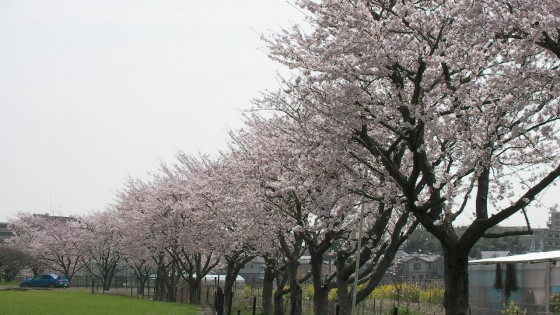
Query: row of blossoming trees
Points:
[398, 112]
[275, 193]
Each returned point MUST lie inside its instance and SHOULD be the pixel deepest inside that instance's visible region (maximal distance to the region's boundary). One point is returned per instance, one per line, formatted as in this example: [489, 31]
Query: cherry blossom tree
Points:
[281, 202]
[314, 194]
[194, 247]
[175, 232]
[234, 194]
[51, 240]
[12, 262]
[148, 207]
[229, 204]
[100, 240]
[137, 250]
[447, 101]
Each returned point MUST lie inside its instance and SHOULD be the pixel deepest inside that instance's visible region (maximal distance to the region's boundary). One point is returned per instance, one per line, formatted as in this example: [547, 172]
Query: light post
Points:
[358, 251]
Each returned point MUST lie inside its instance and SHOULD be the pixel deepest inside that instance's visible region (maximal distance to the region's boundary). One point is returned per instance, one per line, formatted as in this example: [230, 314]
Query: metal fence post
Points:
[181, 300]
[254, 305]
[230, 303]
[219, 302]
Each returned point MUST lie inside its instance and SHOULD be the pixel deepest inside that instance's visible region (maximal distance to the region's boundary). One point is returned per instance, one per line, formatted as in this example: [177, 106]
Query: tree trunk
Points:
[159, 286]
[235, 261]
[344, 300]
[278, 303]
[344, 296]
[281, 279]
[172, 290]
[194, 288]
[268, 287]
[106, 283]
[169, 286]
[296, 292]
[141, 288]
[296, 297]
[141, 279]
[320, 293]
[456, 301]
[165, 287]
[107, 276]
[231, 274]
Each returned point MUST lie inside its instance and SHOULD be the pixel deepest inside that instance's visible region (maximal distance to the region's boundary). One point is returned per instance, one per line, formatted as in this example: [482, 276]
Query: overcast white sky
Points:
[92, 91]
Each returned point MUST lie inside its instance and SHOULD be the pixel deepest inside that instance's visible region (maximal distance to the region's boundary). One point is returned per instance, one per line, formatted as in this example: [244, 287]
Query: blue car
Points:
[50, 280]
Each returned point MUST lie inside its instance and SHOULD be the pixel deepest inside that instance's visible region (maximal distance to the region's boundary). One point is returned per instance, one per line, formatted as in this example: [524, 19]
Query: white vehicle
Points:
[220, 280]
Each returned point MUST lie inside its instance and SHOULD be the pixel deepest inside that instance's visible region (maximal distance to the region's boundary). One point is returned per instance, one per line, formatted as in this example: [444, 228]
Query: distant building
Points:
[543, 239]
[55, 217]
[5, 233]
[253, 271]
[418, 267]
[552, 239]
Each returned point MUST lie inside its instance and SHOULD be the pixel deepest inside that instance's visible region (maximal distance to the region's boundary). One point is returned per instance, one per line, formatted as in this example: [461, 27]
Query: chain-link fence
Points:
[248, 291]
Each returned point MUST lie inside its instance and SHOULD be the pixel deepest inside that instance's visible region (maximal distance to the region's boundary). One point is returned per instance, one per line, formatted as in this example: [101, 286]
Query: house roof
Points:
[258, 260]
[552, 256]
[400, 253]
[304, 259]
[426, 258]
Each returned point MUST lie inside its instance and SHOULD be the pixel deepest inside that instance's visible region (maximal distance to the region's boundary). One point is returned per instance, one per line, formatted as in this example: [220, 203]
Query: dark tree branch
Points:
[526, 198]
[507, 233]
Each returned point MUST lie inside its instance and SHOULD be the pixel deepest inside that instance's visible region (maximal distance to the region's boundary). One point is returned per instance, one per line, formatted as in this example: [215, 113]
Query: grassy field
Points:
[75, 301]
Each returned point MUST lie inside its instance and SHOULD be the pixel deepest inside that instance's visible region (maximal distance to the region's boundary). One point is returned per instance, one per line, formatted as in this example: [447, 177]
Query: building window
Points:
[421, 277]
[429, 265]
[416, 266]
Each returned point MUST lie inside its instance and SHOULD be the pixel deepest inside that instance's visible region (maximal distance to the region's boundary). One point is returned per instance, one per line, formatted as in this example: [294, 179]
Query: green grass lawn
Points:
[69, 302]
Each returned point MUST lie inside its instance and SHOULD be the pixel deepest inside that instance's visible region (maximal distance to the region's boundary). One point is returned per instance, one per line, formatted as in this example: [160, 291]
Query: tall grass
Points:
[70, 302]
